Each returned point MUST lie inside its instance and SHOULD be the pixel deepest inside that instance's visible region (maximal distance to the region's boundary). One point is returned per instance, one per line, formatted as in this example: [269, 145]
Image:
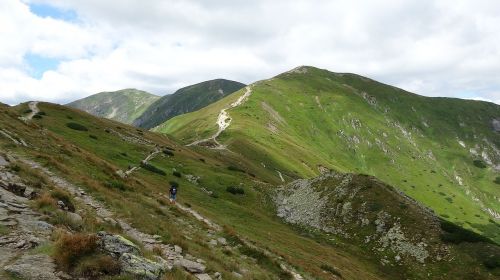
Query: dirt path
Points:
[223, 121]
[144, 161]
[34, 109]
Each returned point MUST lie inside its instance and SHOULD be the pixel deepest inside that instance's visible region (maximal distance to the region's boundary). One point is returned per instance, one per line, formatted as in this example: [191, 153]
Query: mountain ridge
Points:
[443, 152]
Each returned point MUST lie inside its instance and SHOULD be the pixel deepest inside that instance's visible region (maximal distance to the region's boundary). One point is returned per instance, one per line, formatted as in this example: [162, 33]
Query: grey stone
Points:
[237, 275]
[3, 161]
[141, 268]
[203, 276]
[192, 266]
[177, 249]
[74, 218]
[222, 241]
[33, 267]
[212, 242]
[116, 245]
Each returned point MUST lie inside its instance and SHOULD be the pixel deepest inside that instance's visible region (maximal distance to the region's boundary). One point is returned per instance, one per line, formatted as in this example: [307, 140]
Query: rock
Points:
[3, 161]
[75, 218]
[495, 123]
[30, 193]
[218, 276]
[203, 276]
[33, 267]
[141, 268]
[177, 249]
[64, 275]
[222, 241]
[237, 275]
[61, 204]
[192, 266]
[116, 245]
[212, 242]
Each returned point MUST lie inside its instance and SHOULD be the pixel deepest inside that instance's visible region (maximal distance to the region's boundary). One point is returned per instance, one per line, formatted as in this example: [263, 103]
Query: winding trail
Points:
[144, 161]
[223, 121]
[34, 109]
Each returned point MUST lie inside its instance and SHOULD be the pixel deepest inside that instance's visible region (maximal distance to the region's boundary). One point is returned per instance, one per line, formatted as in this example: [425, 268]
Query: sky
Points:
[63, 50]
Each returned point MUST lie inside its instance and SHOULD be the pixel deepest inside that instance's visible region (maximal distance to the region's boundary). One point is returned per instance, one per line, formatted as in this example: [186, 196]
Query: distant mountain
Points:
[123, 105]
[185, 100]
[443, 152]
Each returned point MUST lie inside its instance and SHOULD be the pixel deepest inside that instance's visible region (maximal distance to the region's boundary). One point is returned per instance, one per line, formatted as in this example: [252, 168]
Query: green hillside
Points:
[185, 100]
[67, 155]
[442, 152]
[123, 105]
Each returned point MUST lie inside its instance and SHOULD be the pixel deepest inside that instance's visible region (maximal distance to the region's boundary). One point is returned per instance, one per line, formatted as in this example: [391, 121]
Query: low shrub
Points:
[177, 174]
[72, 247]
[95, 266]
[27, 111]
[235, 190]
[168, 152]
[455, 234]
[41, 113]
[77, 126]
[116, 185]
[479, 163]
[15, 168]
[38, 117]
[331, 269]
[497, 180]
[265, 261]
[153, 168]
[93, 136]
[235, 168]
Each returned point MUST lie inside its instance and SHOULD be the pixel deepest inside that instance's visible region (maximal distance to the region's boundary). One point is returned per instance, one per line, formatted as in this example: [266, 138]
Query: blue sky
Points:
[45, 10]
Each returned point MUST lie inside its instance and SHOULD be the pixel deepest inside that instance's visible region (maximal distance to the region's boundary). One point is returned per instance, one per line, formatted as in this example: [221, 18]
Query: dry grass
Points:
[45, 202]
[72, 247]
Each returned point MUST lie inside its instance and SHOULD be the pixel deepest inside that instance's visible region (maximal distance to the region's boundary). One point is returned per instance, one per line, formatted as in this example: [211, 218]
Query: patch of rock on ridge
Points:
[361, 208]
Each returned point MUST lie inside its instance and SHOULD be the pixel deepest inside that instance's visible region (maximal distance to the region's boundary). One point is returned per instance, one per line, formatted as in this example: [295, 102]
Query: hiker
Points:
[173, 193]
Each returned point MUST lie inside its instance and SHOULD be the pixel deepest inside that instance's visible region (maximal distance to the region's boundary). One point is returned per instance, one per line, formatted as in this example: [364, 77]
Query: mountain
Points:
[88, 196]
[443, 152]
[185, 100]
[123, 105]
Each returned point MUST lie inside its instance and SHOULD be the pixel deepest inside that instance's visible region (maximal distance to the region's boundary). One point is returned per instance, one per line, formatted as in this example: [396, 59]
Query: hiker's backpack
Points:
[174, 190]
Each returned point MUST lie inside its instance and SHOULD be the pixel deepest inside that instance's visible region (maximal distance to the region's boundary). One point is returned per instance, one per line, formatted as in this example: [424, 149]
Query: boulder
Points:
[192, 266]
[33, 267]
[116, 245]
[75, 218]
[222, 241]
[140, 267]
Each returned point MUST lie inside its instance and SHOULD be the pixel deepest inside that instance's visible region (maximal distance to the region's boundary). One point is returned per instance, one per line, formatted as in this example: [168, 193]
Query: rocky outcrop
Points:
[495, 124]
[140, 267]
[365, 210]
[33, 267]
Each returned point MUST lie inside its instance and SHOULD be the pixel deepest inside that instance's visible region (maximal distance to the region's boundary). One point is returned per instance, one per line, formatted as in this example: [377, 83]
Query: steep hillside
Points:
[185, 100]
[442, 152]
[393, 228]
[65, 176]
[123, 105]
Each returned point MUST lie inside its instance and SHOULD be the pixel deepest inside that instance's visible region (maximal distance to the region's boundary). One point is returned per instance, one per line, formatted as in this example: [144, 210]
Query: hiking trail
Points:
[223, 121]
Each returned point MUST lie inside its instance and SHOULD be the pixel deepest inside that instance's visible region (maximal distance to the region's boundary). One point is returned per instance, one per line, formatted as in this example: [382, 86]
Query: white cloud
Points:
[435, 48]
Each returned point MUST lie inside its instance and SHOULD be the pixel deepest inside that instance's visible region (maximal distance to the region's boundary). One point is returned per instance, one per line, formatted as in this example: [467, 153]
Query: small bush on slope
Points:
[77, 126]
[72, 247]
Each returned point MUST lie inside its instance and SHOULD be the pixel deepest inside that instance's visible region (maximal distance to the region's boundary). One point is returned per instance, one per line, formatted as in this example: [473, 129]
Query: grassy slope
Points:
[90, 163]
[351, 123]
[124, 105]
[187, 99]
